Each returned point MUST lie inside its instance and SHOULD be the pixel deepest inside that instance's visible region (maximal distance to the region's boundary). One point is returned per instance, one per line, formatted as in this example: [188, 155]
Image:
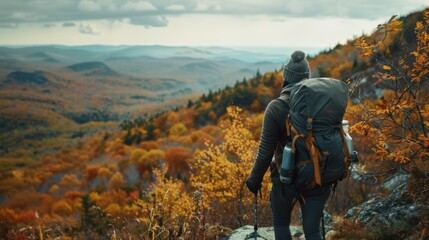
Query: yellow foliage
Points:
[178, 129]
[104, 172]
[113, 209]
[116, 181]
[222, 169]
[168, 206]
[69, 180]
[136, 154]
[152, 158]
[131, 210]
[54, 188]
[61, 208]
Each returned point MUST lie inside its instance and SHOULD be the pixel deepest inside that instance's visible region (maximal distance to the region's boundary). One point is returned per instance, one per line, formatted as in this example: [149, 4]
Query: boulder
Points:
[267, 233]
[395, 180]
[264, 233]
[398, 206]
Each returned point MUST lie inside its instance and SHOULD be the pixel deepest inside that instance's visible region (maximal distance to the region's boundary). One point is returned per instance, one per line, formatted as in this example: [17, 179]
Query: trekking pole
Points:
[323, 225]
[255, 213]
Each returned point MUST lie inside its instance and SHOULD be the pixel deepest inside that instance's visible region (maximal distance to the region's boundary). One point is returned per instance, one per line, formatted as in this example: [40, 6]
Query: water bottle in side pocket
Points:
[288, 164]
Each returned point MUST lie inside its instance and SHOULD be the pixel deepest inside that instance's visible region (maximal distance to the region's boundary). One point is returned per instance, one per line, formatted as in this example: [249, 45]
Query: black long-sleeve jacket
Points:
[273, 136]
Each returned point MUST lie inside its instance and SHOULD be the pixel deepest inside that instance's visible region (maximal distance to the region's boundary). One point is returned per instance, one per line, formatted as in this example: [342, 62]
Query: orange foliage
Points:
[69, 180]
[397, 121]
[61, 208]
[176, 158]
[72, 195]
[113, 209]
[116, 181]
[104, 199]
[91, 173]
[13, 217]
[149, 145]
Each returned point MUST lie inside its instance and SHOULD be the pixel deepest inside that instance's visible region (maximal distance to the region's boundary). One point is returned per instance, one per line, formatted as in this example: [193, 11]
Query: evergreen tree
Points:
[129, 138]
[92, 217]
[210, 96]
[258, 75]
[190, 103]
[149, 129]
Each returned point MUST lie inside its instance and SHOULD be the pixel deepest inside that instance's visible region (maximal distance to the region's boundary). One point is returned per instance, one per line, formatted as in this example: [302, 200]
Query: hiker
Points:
[274, 135]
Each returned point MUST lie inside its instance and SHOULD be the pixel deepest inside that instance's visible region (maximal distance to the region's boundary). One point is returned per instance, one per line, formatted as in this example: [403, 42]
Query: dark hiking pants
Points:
[281, 204]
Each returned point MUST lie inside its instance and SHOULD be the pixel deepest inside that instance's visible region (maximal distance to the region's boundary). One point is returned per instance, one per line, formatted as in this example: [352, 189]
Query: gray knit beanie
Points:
[296, 68]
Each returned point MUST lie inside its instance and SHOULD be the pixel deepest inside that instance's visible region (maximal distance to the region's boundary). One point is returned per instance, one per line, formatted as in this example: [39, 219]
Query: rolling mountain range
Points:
[146, 71]
[151, 74]
[62, 87]
[64, 149]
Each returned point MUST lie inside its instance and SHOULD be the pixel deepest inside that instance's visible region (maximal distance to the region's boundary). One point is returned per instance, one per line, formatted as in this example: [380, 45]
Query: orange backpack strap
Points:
[288, 125]
[294, 140]
[314, 152]
[346, 149]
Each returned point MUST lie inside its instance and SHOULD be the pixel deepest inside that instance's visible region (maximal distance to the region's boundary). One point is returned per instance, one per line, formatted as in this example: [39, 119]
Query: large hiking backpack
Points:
[317, 107]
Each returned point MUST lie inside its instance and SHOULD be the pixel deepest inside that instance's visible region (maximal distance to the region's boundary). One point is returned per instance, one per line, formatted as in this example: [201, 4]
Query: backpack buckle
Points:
[309, 123]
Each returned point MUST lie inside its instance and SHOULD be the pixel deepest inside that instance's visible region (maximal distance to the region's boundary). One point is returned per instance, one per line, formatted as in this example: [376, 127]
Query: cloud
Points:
[8, 25]
[86, 28]
[88, 6]
[175, 7]
[295, 7]
[201, 7]
[150, 21]
[138, 6]
[49, 25]
[69, 24]
[42, 11]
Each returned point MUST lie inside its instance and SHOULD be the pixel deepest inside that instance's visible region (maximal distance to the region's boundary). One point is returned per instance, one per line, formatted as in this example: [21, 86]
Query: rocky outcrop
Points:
[395, 180]
[264, 233]
[394, 209]
[397, 207]
[267, 233]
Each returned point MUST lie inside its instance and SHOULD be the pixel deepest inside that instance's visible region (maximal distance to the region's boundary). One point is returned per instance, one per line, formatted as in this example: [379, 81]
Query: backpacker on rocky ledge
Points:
[318, 152]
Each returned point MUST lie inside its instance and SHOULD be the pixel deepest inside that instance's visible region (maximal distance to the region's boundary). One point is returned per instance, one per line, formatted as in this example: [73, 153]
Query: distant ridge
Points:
[22, 77]
[93, 68]
[41, 55]
[44, 57]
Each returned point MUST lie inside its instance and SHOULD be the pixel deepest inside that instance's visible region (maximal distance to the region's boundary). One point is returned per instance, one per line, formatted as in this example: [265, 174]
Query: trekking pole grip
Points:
[255, 205]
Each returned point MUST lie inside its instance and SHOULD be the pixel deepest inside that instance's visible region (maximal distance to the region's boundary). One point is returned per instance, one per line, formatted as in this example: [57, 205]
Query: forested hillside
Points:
[180, 174]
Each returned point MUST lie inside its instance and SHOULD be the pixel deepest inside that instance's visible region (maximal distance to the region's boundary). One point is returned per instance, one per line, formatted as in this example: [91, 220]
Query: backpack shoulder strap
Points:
[285, 100]
[346, 149]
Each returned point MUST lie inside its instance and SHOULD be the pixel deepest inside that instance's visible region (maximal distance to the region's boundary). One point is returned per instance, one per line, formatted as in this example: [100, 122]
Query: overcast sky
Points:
[275, 23]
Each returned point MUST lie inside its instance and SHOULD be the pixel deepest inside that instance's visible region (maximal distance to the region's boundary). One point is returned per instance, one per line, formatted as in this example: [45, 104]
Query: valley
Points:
[54, 90]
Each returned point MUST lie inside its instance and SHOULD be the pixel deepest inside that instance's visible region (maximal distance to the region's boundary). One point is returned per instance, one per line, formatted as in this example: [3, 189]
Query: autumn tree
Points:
[116, 181]
[399, 119]
[178, 129]
[177, 159]
[61, 208]
[222, 170]
[166, 209]
[397, 123]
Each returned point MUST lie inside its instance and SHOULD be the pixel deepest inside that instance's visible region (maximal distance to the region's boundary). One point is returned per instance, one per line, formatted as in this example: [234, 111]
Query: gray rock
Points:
[396, 207]
[395, 180]
[264, 233]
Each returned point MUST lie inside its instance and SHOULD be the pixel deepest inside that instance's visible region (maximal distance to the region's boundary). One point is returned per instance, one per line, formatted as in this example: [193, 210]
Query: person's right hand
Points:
[253, 185]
